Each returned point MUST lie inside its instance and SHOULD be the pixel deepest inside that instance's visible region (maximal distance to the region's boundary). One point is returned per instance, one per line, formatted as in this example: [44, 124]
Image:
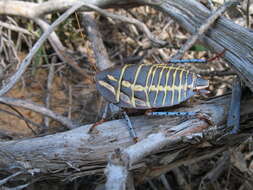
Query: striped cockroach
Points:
[146, 86]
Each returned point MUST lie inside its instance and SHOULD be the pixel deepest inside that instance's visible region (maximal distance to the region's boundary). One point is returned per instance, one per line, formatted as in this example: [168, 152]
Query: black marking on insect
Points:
[147, 86]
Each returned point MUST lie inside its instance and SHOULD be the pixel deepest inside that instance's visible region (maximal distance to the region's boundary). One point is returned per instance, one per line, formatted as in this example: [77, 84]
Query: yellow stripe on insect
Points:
[126, 84]
[186, 83]
[139, 88]
[152, 79]
[173, 85]
[166, 84]
[153, 76]
[180, 85]
[158, 84]
[133, 85]
[166, 66]
[163, 88]
[119, 82]
[146, 87]
[107, 86]
[112, 78]
[149, 86]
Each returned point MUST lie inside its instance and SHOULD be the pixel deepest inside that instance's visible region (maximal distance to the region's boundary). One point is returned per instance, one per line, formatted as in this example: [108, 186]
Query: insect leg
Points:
[103, 119]
[130, 127]
[187, 61]
[197, 60]
[172, 113]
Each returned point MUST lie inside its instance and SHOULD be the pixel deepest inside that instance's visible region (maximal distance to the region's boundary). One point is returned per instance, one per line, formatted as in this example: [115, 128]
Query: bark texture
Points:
[76, 153]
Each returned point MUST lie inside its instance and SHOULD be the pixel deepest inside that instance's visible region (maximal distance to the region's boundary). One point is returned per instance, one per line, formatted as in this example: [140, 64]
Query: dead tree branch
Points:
[203, 28]
[36, 10]
[235, 39]
[102, 58]
[89, 151]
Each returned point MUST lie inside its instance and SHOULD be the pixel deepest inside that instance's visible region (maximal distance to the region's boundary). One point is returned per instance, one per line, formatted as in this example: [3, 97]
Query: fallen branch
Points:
[225, 34]
[101, 56]
[202, 29]
[89, 151]
[78, 153]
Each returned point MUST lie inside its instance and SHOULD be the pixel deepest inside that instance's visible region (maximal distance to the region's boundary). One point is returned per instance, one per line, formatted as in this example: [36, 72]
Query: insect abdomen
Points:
[146, 86]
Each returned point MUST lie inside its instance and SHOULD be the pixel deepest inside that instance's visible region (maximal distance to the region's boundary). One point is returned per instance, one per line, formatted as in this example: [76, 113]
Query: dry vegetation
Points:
[71, 93]
[74, 95]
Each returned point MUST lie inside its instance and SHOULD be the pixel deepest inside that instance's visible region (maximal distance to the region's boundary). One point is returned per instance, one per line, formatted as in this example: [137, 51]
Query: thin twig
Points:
[20, 187]
[248, 13]
[15, 28]
[156, 42]
[27, 121]
[5, 180]
[70, 102]
[39, 109]
[95, 37]
[216, 172]
[26, 62]
[48, 7]
[203, 28]
[61, 50]
[49, 89]
[20, 115]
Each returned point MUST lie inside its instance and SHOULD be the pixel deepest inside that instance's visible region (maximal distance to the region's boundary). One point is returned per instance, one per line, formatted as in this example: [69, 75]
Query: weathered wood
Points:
[78, 153]
[102, 59]
[190, 14]
[225, 34]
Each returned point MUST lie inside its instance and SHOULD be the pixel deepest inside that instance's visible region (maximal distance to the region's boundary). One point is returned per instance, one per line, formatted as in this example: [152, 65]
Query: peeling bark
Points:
[78, 153]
